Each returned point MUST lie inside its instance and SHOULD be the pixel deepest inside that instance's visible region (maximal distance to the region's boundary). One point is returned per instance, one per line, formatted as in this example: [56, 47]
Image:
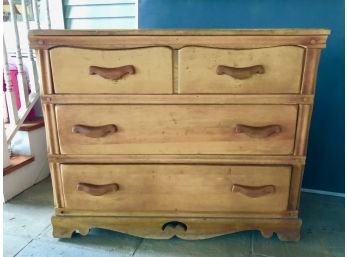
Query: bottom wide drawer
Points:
[176, 188]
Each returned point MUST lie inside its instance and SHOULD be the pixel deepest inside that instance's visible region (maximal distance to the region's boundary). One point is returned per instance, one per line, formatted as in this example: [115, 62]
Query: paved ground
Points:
[27, 232]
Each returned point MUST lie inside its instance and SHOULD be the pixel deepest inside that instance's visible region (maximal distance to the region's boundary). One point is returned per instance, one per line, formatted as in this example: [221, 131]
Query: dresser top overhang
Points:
[110, 39]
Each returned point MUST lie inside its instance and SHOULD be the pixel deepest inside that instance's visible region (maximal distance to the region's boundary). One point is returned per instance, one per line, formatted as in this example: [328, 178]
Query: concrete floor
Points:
[27, 232]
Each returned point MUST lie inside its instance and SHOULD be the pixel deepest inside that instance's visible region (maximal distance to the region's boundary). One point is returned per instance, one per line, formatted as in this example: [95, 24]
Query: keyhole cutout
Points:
[174, 225]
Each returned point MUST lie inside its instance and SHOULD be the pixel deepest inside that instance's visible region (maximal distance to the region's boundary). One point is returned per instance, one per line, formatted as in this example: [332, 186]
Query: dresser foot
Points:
[64, 228]
[60, 231]
[286, 231]
[266, 233]
[291, 235]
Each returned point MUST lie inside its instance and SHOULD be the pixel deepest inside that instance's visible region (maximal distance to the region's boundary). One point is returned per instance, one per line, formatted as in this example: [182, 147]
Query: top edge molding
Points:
[186, 32]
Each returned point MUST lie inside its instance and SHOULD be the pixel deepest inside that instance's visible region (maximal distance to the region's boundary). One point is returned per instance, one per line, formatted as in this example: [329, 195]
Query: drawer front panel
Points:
[182, 129]
[144, 188]
[152, 66]
[265, 70]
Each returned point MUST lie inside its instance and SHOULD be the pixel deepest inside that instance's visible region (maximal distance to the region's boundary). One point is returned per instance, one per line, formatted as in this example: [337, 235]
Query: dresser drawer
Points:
[252, 71]
[134, 71]
[176, 129]
[142, 188]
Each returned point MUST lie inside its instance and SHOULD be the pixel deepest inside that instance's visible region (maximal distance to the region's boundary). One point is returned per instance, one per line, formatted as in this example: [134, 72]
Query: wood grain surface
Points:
[153, 70]
[176, 187]
[282, 70]
[170, 129]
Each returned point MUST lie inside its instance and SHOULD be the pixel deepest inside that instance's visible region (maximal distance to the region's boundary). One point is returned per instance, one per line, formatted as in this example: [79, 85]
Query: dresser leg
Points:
[285, 235]
[64, 228]
[59, 231]
[266, 233]
[289, 235]
[284, 230]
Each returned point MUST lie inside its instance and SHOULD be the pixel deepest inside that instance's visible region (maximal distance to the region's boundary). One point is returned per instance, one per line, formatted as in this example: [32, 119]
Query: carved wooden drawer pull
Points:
[254, 191]
[97, 131]
[240, 73]
[112, 73]
[258, 132]
[97, 190]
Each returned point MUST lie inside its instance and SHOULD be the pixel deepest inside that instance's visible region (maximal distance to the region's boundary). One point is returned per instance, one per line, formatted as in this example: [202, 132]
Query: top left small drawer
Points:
[131, 71]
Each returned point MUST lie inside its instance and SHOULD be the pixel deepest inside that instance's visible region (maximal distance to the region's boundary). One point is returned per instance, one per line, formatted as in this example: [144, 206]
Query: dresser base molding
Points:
[184, 228]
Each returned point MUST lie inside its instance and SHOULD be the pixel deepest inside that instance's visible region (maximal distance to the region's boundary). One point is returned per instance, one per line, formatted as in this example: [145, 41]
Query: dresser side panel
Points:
[310, 71]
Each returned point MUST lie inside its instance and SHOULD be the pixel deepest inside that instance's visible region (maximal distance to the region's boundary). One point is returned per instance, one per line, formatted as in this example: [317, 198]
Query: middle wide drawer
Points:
[176, 129]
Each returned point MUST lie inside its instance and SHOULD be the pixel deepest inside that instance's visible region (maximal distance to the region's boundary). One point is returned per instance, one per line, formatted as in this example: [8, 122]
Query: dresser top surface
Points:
[184, 32]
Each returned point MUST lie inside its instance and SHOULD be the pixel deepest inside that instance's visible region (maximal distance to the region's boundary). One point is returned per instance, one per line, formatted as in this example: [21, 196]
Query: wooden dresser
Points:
[190, 133]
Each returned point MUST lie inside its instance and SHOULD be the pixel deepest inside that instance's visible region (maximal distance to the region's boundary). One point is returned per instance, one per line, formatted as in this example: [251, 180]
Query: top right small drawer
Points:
[272, 70]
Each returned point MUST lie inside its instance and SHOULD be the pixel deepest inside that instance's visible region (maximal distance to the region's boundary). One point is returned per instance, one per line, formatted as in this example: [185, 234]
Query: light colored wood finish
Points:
[175, 72]
[198, 32]
[153, 70]
[310, 71]
[197, 150]
[303, 124]
[50, 128]
[177, 99]
[46, 86]
[58, 195]
[183, 159]
[176, 187]
[196, 228]
[296, 183]
[282, 70]
[176, 42]
[200, 214]
[177, 39]
[169, 129]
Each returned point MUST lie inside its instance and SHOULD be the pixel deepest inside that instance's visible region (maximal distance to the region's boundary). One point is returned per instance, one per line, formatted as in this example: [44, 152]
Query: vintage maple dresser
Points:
[190, 133]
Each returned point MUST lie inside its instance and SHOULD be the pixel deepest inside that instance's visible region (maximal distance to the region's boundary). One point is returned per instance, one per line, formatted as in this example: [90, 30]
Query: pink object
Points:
[13, 76]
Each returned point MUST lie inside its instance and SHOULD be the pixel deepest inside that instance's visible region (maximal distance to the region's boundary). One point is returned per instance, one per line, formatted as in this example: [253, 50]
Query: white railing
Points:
[26, 78]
